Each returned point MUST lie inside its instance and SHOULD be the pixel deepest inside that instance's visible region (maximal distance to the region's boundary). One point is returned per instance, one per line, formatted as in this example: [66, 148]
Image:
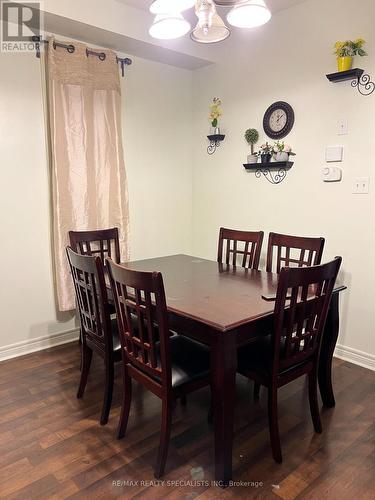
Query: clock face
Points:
[278, 120]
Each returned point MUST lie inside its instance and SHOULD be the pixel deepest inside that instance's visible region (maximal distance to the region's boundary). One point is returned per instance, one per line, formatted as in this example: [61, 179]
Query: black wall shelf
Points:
[360, 80]
[274, 172]
[215, 141]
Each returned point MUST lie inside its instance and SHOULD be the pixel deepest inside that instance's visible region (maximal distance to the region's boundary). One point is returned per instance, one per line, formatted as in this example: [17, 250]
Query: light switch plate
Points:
[342, 128]
[334, 153]
[361, 185]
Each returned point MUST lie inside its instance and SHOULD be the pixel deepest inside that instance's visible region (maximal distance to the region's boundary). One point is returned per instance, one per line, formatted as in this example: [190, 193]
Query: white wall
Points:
[157, 143]
[288, 60]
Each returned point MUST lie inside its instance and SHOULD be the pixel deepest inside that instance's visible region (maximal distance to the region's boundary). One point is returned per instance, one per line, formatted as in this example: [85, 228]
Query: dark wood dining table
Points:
[226, 307]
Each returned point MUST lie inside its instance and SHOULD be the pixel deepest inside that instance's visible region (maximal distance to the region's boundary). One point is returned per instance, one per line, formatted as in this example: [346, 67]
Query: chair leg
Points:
[86, 356]
[274, 424]
[108, 391]
[256, 391]
[126, 403]
[313, 399]
[165, 435]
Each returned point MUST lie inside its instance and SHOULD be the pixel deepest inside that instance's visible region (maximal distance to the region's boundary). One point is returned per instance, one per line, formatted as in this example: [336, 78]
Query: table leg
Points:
[224, 366]
[330, 335]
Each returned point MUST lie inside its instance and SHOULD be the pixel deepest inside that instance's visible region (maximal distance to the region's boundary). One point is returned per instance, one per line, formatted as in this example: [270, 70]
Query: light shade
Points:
[217, 32]
[249, 14]
[170, 6]
[169, 26]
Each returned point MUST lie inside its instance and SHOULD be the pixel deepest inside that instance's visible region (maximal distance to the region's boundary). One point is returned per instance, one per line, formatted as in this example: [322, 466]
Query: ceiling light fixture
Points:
[250, 14]
[170, 6]
[169, 26]
[217, 32]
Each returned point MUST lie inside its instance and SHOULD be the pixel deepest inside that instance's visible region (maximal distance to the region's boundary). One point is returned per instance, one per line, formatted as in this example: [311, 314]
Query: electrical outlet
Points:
[361, 185]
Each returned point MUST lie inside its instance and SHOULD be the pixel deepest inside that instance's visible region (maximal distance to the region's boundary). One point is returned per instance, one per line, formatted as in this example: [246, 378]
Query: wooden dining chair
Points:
[168, 365]
[99, 333]
[292, 349]
[240, 248]
[103, 243]
[292, 251]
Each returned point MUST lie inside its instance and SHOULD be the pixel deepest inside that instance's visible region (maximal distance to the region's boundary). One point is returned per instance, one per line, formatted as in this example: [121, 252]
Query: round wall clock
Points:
[278, 120]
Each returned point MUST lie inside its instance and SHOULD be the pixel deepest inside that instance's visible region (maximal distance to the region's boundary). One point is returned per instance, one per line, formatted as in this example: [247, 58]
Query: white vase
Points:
[252, 159]
[282, 156]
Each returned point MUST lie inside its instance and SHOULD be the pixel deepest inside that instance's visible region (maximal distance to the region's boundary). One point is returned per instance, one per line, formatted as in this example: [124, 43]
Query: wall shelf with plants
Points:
[274, 171]
[345, 52]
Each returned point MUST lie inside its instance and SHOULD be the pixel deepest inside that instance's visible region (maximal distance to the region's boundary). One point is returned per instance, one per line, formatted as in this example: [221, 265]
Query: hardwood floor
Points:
[51, 445]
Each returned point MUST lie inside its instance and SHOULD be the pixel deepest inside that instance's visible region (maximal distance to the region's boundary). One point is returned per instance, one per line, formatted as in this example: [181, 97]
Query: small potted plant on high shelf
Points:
[281, 151]
[265, 152]
[215, 113]
[252, 137]
[345, 51]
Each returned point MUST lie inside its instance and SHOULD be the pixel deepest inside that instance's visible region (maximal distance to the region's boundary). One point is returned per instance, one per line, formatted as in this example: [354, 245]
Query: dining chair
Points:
[103, 242]
[293, 251]
[240, 247]
[168, 365]
[98, 332]
[292, 349]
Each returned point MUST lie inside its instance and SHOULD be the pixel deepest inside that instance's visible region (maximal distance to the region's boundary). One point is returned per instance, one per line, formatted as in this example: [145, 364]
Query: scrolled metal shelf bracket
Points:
[272, 177]
[364, 85]
[215, 141]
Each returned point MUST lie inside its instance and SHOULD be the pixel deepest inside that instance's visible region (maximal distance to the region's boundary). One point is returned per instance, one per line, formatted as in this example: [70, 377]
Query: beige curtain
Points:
[89, 189]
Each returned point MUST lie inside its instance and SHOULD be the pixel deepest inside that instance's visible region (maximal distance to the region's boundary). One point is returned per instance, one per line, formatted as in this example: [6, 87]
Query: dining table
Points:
[226, 307]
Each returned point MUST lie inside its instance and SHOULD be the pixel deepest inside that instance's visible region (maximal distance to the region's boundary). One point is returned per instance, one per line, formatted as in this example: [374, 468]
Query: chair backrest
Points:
[142, 295]
[293, 250]
[302, 303]
[104, 243]
[240, 248]
[92, 301]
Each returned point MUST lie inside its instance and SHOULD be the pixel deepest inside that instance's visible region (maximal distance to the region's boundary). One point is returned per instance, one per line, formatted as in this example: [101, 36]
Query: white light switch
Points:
[334, 153]
[342, 127]
[361, 185]
[332, 174]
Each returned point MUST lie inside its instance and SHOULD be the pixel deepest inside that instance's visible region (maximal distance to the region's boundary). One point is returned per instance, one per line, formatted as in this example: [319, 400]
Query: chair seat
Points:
[257, 358]
[190, 360]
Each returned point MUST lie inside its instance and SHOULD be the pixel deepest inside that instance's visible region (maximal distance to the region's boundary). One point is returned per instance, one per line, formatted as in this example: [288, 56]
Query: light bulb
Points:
[249, 14]
[169, 26]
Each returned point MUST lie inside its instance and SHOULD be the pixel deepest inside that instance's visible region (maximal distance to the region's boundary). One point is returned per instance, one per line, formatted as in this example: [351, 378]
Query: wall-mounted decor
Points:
[345, 52]
[215, 141]
[252, 137]
[216, 137]
[278, 120]
[275, 172]
[358, 79]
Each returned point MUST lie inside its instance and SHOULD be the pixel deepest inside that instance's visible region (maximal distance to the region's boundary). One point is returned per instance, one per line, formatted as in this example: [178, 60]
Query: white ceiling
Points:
[274, 5]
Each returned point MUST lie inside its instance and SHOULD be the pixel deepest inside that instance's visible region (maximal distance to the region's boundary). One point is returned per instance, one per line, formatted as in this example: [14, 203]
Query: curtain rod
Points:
[38, 40]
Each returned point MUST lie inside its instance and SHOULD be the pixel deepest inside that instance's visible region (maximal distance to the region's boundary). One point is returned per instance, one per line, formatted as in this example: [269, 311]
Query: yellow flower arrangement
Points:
[215, 111]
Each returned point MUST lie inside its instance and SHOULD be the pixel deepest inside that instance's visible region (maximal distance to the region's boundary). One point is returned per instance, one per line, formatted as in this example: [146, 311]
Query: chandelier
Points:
[169, 22]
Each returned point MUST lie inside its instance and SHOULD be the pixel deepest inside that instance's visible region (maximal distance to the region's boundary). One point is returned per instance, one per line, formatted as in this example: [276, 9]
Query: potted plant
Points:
[265, 153]
[281, 151]
[252, 137]
[215, 113]
[345, 51]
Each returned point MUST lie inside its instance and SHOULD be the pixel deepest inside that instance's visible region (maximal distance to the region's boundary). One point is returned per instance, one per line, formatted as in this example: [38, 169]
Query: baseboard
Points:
[354, 356]
[38, 344]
